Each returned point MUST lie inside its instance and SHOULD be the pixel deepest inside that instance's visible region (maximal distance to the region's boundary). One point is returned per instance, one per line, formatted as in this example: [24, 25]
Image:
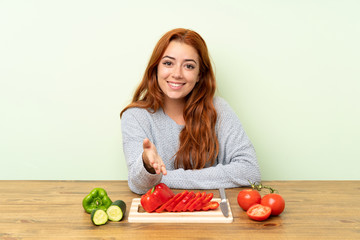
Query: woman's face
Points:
[178, 70]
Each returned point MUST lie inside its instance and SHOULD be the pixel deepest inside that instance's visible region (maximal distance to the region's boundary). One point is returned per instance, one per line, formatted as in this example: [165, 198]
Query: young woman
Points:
[176, 132]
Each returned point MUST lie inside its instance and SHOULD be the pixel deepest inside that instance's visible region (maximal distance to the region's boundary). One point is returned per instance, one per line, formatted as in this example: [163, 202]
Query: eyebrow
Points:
[186, 60]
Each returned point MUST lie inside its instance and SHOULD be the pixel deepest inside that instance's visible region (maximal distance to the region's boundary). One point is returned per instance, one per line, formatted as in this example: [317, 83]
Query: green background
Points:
[290, 70]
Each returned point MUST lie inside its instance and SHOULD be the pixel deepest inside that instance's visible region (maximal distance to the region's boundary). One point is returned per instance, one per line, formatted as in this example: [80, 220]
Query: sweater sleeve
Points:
[236, 163]
[133, 134]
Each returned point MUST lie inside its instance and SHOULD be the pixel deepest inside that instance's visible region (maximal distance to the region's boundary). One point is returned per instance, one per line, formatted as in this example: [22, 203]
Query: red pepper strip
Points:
[197, 195]
[201, 203]
[179, 202]
[180, 206]
[176, 201]
[156, 197]
[197, 202]
[163, 207]
[208, 198]
[210, 206]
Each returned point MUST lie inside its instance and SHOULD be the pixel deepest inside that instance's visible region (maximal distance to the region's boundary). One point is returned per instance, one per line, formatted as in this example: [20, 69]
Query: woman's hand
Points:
[152, 161]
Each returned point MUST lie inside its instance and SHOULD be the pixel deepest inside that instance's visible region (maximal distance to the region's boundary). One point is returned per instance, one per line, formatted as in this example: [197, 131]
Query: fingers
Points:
[146, 143]
[163, 170]
[152, 159]
[160, 168]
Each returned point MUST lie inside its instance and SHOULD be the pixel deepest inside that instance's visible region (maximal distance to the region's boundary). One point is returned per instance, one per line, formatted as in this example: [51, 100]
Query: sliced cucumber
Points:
[99, 217]
[116, 211]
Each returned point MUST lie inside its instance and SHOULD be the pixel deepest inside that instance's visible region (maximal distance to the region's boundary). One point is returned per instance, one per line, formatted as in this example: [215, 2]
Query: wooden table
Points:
[53, 210]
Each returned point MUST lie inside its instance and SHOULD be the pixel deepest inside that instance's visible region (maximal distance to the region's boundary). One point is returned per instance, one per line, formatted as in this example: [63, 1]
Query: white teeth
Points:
[175, 84]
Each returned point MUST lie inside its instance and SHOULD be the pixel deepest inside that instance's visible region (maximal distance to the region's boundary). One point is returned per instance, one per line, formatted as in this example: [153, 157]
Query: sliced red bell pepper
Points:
[183, 209]
[171, 207]
[210, 206]
[180, 206]
[204, 200]
[197, 202]
[201, 202]
[208, 198]
[164, 206]
[156, 197]
[196, 196]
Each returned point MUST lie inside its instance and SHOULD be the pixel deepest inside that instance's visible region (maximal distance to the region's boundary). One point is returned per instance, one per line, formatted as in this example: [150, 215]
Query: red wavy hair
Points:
[198, 141]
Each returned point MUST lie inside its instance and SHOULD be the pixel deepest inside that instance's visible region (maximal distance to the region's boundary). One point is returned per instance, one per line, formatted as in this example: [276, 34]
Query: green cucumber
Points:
[116, 211]
[99, 217]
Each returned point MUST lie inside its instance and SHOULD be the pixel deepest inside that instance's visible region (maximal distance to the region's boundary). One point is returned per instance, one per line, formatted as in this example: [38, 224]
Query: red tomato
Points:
[248, 197]
[275, 202]
[259, 212]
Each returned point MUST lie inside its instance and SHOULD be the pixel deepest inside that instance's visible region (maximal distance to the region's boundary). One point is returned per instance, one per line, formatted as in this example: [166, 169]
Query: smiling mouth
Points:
[175, 85]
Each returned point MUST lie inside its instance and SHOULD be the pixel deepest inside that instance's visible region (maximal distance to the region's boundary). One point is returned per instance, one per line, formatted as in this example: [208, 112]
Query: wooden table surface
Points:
[53, 210]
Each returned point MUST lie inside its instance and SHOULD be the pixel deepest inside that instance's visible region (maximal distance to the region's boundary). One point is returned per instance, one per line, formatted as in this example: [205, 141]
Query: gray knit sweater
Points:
[235, 165]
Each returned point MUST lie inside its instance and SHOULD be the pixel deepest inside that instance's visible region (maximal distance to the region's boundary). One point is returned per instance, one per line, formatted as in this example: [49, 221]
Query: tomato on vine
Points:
[248, 197]
[272, 200]
[275, 202]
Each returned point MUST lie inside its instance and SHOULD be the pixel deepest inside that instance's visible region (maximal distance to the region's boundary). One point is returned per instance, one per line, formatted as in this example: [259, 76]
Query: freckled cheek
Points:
[192, 78]
[163, 73]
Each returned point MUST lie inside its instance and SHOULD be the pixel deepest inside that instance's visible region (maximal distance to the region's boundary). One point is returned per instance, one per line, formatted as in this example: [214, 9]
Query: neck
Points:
[175, 109]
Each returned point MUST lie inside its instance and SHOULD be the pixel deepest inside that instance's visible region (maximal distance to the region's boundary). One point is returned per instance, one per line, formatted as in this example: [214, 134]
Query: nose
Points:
[177, 73]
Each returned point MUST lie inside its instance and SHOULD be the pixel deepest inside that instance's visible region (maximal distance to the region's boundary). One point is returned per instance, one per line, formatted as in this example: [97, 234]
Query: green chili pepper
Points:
[96, 199]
